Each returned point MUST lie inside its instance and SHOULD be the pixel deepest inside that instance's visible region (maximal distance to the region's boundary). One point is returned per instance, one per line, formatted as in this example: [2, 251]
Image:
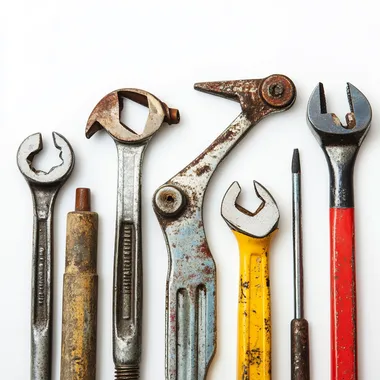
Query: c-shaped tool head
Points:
[327, 127]
[107, 113]
[258, 224]
[31, 146]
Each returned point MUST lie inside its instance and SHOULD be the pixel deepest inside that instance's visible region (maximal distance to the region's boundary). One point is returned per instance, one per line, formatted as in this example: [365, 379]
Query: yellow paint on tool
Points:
[254, 317]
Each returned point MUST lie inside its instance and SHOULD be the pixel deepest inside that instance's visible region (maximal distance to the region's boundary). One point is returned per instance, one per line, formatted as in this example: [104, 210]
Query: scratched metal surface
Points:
[191, 282]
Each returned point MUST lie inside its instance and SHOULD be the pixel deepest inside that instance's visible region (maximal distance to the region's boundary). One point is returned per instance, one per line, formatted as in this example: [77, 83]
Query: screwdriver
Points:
[299, 326]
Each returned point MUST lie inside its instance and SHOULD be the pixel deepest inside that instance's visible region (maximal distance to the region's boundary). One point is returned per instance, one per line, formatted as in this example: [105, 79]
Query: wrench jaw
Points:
[31, 146]
[106, 115]
[339, 143]
[259, 224]
[328, 129]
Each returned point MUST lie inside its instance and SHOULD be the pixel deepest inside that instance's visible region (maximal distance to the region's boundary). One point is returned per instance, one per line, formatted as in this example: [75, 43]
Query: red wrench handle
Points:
[343, 295]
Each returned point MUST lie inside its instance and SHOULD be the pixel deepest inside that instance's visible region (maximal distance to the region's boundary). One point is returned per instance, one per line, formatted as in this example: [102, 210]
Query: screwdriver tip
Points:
[83, 199]
[296, 167]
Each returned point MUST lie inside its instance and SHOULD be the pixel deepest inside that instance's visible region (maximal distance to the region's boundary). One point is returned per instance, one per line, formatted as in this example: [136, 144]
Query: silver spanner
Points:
[127, 297]
[44, 187]
[191, 282]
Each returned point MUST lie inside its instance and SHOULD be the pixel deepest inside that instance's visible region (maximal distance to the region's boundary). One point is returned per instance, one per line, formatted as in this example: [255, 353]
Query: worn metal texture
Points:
[44, 188]
[300, 364]
[127, 297]
[191, 282]
[253, 232]
[340, 145]
[80, 295]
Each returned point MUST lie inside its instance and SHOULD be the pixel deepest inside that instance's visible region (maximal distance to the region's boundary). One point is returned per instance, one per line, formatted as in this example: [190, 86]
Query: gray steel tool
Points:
[44, 188]
[127, 297]
[299, 328]
[191, 282]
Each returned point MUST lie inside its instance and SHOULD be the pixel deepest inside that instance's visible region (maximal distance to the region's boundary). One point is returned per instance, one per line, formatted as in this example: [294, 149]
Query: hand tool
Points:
[191, 282]
[44, 188]
[80, 292]
[127, 297]
[254, 232]
[299, 328]
[340, 145]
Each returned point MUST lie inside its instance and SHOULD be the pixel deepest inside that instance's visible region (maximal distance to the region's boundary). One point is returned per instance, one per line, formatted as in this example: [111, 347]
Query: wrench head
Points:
[327, 127]
[257, 224]
[31, 146]
[106, 115]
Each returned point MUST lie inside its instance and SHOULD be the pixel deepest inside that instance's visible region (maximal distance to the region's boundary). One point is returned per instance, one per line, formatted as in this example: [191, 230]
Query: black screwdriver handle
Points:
[300, 350]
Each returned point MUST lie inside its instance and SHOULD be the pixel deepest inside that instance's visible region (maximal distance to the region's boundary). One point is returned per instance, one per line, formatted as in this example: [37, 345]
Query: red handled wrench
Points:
[341, 144]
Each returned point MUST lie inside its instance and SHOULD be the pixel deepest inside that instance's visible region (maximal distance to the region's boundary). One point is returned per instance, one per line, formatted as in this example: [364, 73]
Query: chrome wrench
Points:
[191, 281]
[127, 297]
[44, 188]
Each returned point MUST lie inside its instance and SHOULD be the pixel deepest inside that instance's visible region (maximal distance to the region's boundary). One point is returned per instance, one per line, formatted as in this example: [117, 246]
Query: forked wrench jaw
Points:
[31, 146]
[327, 127]
[259, 224]
[107, 113]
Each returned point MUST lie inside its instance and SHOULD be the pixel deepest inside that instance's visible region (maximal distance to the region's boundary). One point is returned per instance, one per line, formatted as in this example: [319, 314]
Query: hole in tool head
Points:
[47, 159]
[133, 115]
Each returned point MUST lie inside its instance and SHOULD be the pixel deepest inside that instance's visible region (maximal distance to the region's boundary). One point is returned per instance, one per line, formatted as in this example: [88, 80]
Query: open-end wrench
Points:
[253, 232]
[340, 145]
[191, 282]
[127, 296]
[44, 188]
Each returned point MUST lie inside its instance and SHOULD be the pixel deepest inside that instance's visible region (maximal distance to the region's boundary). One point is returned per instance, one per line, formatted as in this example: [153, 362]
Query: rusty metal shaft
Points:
[80, 292]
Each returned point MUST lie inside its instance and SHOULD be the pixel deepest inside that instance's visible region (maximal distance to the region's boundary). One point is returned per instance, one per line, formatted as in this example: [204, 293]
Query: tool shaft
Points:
[254, 313]
[80, 294]
[297, 238]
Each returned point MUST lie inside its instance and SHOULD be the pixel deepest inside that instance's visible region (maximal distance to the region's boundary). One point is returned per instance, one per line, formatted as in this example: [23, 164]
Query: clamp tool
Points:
[254, 232]
[340, 145]
[127, 297]
[191, 282]
[44, 188]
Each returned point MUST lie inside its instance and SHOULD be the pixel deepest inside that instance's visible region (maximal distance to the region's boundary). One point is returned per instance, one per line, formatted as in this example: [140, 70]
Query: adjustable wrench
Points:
[253, 232]
[44, 188]
[340, 145]
[127, 297]
[191, 282]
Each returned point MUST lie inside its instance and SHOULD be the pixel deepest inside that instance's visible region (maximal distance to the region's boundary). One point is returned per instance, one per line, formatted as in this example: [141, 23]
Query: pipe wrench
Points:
[191, 281]
[254, 232]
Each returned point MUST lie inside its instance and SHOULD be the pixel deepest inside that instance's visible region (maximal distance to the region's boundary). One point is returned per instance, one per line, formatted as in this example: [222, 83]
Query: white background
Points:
[58, 59]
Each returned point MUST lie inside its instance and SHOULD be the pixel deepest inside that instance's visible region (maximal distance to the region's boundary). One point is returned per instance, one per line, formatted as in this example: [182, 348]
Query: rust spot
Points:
[202, 170]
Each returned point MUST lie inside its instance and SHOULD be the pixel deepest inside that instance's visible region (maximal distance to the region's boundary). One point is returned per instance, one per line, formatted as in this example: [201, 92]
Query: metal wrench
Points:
[191, 282]
[340, 145]
[44, 188]
[127, 297]
[254, 232]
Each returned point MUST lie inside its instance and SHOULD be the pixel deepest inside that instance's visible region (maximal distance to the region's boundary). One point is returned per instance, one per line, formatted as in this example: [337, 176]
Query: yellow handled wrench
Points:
[253, 232]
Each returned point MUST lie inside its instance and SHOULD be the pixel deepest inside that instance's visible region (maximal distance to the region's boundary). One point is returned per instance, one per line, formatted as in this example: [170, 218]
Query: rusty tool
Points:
[340, 145]
[80, 292]
[253, 232]
[299, 327]
[191, 282]
[44, 188]
[127, 297]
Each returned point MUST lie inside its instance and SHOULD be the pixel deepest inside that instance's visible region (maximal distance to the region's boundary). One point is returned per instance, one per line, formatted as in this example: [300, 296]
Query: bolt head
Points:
[169, 201]
[278, 91]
